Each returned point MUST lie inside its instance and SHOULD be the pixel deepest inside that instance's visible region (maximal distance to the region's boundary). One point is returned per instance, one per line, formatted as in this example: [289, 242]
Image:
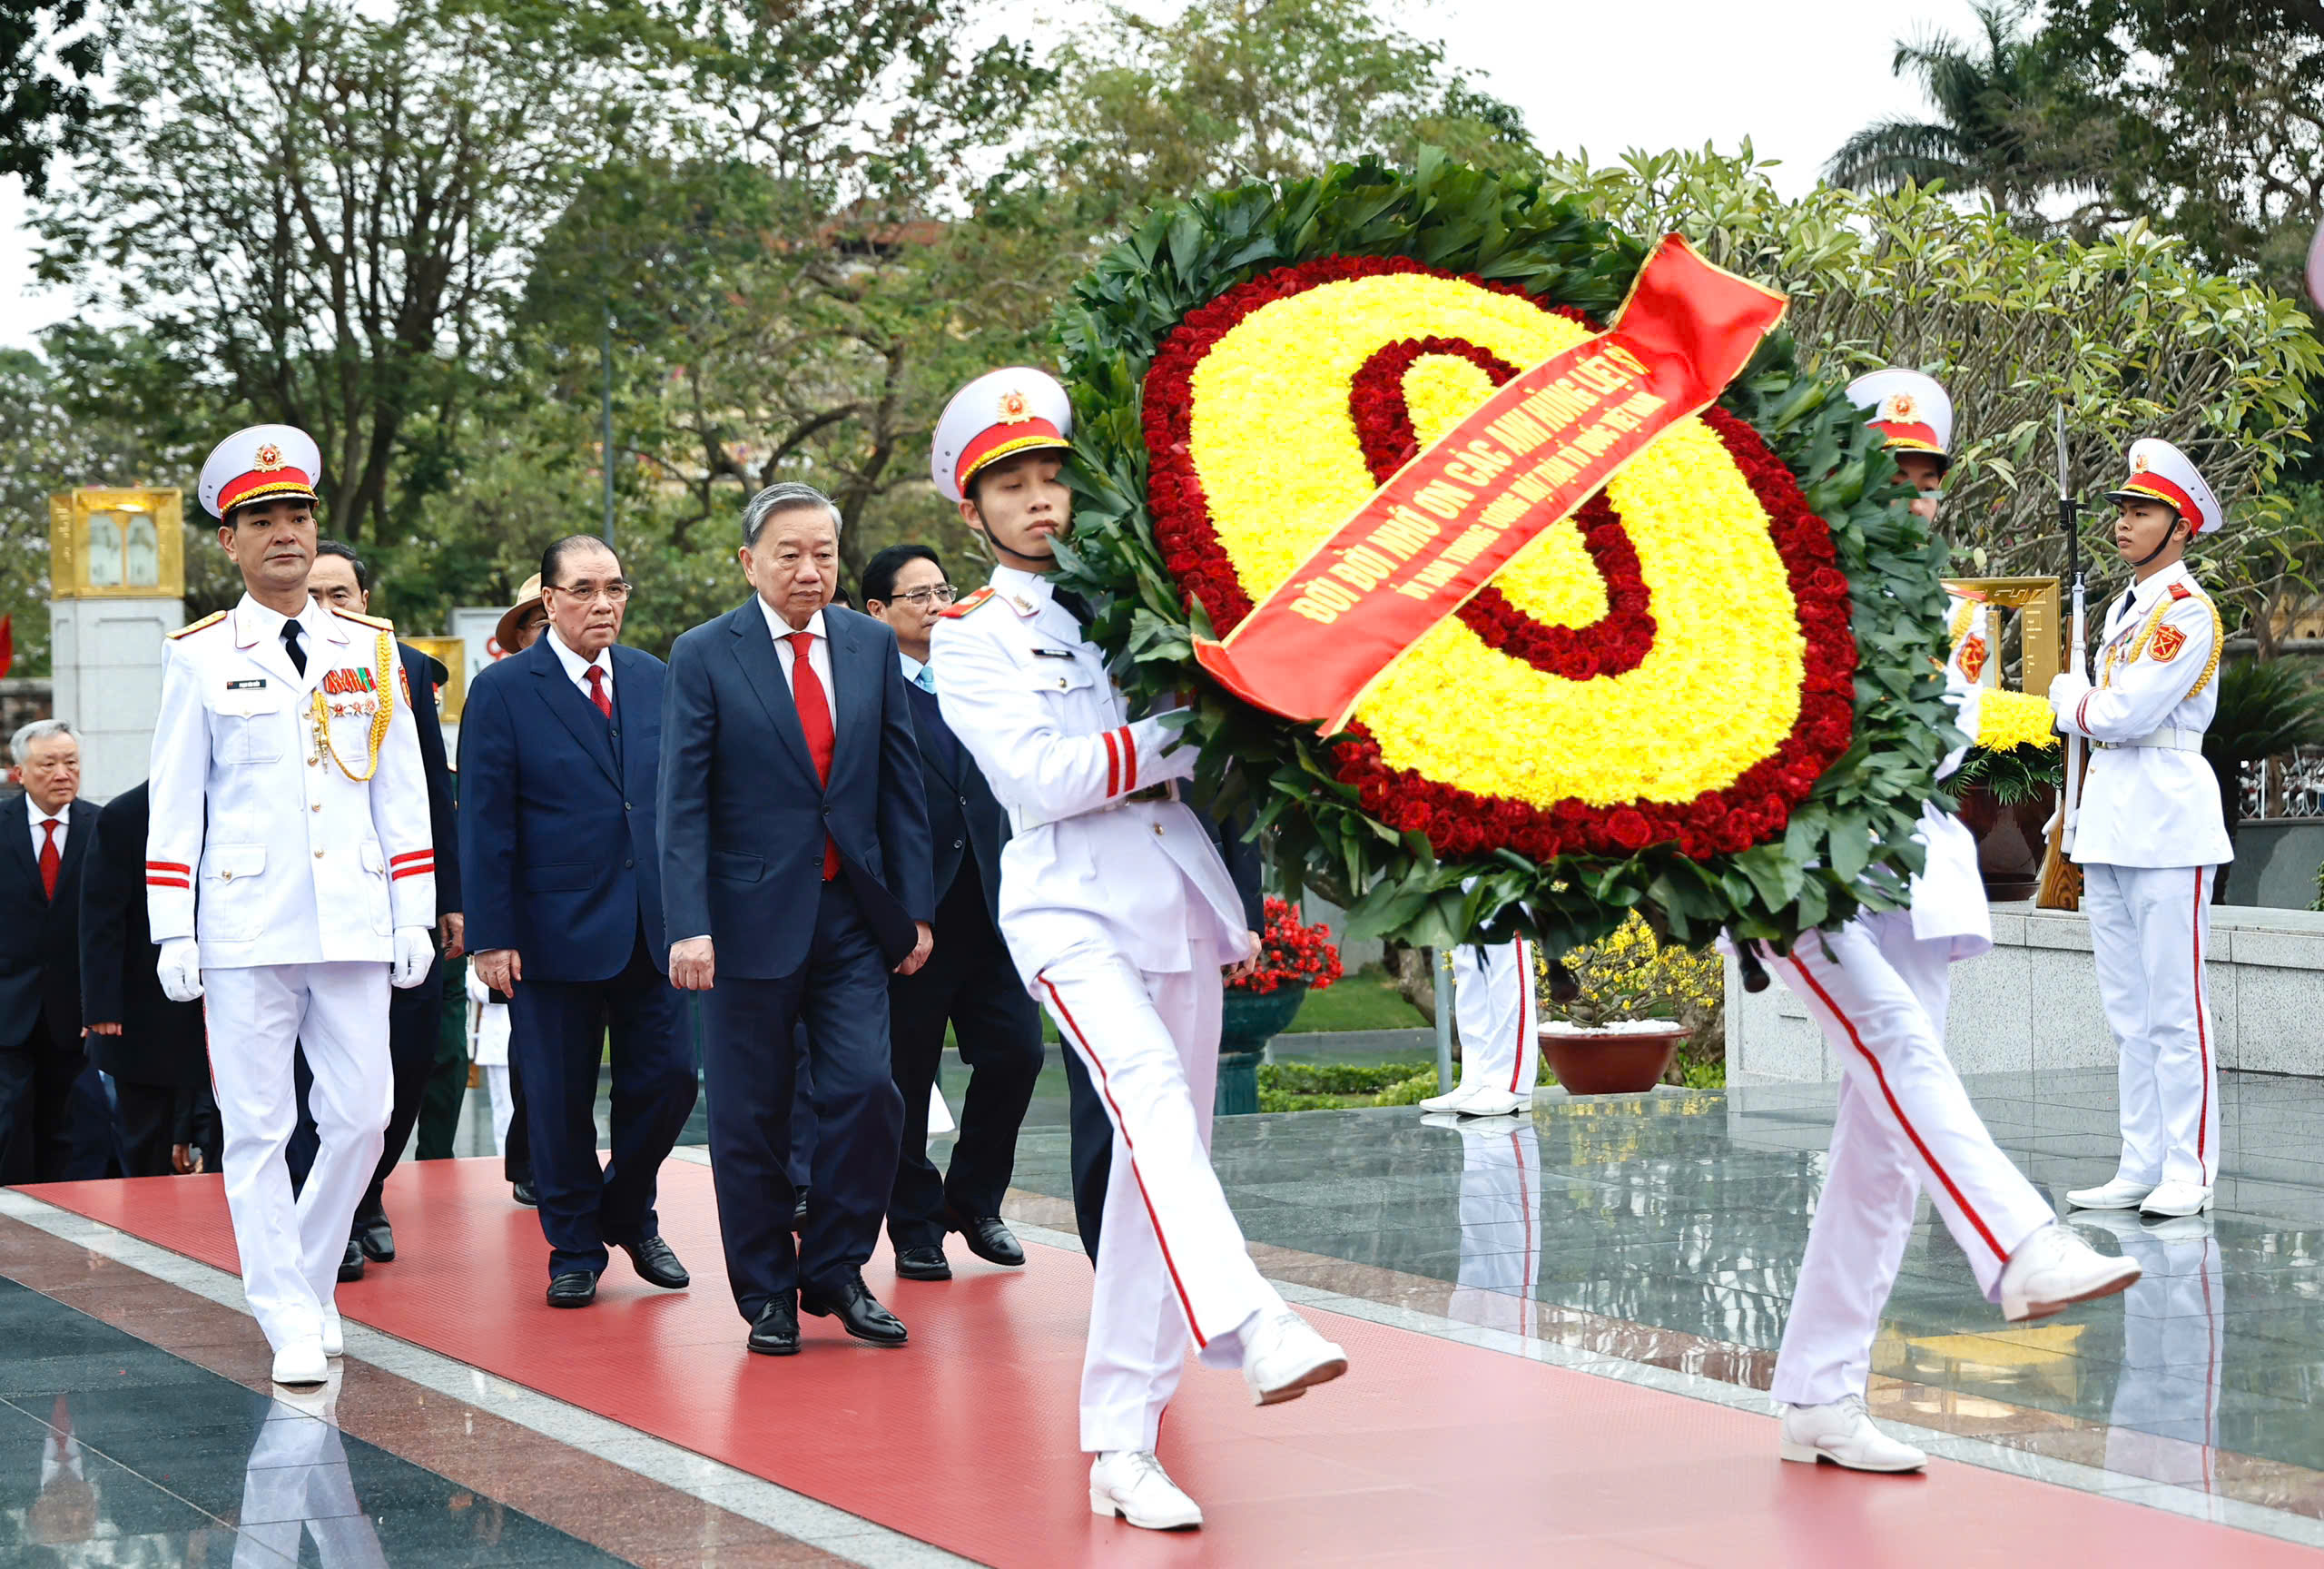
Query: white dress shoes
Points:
[334, 1338]
[1844, 1434]
[2053, 1269]
[2118, 1193]
[2175, 1199]
[1451, 1099]
[1131, 1483]
[1284, 1357]
[1491, 1102]
[301, 1362]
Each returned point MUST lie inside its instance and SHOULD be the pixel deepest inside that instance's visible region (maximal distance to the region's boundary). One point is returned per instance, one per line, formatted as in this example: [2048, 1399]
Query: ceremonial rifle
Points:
[2061, 878]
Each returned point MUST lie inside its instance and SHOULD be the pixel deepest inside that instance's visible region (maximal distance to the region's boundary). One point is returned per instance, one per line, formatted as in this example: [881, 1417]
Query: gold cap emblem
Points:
[270, 457]
[1901, 406]
[1015, 407]
[2138, 463]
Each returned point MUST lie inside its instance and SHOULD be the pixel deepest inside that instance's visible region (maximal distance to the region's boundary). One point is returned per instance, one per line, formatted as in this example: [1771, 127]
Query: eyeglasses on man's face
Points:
[941, 593]
[613, 593]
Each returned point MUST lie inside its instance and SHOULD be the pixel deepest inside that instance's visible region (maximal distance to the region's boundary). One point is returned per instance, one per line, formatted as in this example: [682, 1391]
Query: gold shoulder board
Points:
[210, 620]
[377, 623]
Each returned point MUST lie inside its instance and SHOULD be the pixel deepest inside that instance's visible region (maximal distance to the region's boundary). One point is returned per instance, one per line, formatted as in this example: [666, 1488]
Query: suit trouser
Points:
[1175, 1264]
[1501, 1226]
[259, 1018]
[447, 1081]
[1905, 1123]
[968, 981]
[53, 1124]
[558, 1030]
[517, 1155]
[145, 1119]
[1090, 1149]
[1494, 1003]
[2150, 928]
[750, 1066]
[415, 1020]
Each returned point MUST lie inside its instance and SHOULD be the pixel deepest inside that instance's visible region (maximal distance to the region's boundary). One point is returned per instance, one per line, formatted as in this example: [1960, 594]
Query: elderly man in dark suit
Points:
[53, 1126]
[795, 867]
[154, 1050]
[558, 749]
[967, 982]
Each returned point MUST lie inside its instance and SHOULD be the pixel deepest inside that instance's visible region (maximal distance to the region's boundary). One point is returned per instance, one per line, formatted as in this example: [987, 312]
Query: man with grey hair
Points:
[53, 1122]
[796, 875]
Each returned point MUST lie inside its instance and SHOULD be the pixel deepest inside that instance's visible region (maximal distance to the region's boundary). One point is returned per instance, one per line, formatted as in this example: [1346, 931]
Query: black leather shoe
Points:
[350, 1267]
[657, 1264]
[776, 1332]
[987, 1238]
[574, 1288]
[377, 1240]
[847, 1299]
[923, 1264]
[522, 1192]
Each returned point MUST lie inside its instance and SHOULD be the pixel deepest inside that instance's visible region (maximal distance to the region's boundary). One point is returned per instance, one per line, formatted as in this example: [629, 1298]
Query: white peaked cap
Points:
[997, 415]
[261, 464]
[1913, 411]
[2160, 472]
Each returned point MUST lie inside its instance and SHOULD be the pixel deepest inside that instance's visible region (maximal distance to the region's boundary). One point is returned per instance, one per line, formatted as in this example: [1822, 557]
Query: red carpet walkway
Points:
[1428, 1452]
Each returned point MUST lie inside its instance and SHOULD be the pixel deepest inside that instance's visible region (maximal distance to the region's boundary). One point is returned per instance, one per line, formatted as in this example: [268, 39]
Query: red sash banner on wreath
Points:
[1539, 448]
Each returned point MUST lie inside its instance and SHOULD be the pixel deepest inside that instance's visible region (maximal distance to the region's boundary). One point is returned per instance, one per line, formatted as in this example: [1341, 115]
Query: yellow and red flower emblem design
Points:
[1672, 664]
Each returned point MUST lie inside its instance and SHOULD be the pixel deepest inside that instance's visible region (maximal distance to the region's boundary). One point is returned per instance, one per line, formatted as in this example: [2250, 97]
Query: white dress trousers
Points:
[2149, 928]
[259, 1014]
[1905, 1123]
[1501, 1226]
[1494, 1006]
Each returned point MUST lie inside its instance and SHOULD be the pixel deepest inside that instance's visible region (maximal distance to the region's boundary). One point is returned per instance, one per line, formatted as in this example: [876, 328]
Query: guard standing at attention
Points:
[1119, 916]
[286, 787]
[2153, 837]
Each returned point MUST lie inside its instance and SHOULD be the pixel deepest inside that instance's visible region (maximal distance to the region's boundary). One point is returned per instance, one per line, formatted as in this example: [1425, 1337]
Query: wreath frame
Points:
[1849, 845]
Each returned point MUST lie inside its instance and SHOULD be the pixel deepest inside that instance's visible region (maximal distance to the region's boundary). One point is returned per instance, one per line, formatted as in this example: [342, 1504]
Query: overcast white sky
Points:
[1796, 76]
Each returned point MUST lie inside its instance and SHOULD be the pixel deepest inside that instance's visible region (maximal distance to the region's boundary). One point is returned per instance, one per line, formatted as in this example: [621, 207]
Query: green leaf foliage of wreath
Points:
[1849, 845]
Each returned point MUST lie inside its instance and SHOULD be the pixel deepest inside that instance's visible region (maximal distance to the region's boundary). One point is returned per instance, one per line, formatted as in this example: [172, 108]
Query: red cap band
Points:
[998, 442]
[264, 485]
[2150, 483]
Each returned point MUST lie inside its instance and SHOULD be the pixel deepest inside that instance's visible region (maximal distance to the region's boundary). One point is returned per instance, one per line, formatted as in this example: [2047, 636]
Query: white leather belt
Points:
[2168, 739]
[1024, 821]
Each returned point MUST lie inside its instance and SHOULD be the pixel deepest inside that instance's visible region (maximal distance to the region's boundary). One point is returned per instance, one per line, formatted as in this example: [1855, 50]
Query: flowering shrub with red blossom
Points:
[1291, 953]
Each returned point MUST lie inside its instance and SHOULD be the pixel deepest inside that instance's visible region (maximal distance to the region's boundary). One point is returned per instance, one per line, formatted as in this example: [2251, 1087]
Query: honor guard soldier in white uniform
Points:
[1878, 987]
[1120, 915]
[1494, 1005]
[2151, 837]
[287, 791]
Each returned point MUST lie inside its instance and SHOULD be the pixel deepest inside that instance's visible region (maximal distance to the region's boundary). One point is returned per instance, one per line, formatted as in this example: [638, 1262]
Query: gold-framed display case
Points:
[109, 543]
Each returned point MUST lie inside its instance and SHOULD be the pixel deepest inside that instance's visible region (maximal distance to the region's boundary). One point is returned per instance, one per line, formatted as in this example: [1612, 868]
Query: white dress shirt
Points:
[819, 657]
[576, 669]
[63, 821]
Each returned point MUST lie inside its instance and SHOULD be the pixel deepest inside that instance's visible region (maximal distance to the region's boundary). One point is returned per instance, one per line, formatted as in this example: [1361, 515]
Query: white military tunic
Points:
[1118, 913]
[303, 874]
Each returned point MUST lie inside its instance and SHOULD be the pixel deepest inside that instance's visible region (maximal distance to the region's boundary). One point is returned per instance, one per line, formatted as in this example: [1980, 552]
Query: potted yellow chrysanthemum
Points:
[2007, 786]
[1635, 1000]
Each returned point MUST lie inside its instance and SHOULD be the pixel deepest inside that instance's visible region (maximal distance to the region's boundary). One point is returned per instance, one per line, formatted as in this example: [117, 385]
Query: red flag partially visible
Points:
[7, 645]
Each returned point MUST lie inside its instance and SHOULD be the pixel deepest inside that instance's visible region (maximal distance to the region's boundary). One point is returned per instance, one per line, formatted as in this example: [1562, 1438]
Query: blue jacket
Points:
[743, 817]
[557, 851]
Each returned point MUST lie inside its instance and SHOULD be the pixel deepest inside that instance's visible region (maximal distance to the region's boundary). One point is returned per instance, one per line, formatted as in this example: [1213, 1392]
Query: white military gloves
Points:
[180, 968]
[2066, 690]
[415, 951]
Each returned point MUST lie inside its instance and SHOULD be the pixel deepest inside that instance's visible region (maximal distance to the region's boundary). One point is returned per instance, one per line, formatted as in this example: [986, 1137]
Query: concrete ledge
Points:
[2031, 1005]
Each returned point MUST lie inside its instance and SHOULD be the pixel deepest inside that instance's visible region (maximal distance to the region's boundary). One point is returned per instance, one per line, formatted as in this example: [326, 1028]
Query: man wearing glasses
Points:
[560, 754]
[967, 982]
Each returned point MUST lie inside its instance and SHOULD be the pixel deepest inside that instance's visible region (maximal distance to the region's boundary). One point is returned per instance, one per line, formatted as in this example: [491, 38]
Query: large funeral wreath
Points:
[1707, 695]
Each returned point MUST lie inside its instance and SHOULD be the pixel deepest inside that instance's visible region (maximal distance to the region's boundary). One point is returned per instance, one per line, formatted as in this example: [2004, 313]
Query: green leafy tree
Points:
[48, 50]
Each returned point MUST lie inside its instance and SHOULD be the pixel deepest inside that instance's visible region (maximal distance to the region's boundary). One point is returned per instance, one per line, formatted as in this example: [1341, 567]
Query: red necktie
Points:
[49, 861]
[816, 719]
[597, 693]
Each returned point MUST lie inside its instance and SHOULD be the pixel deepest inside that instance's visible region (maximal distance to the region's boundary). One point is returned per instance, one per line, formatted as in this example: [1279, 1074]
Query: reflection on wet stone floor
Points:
[1688, 1214]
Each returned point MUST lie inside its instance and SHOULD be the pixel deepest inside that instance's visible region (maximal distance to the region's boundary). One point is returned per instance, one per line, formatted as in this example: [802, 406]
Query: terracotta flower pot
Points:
[1609, 1061]
[2010, 841]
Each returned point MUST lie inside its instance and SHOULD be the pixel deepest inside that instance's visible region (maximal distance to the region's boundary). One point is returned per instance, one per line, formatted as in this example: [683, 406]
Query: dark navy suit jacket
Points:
[422, 672]
[743, 817]
[557, 850]
[40, 937]
[964, 821]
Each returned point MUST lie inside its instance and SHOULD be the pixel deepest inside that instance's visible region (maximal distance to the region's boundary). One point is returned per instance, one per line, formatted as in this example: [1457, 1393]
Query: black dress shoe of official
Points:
[657, 1264]
[574, 1288]
[846, 1299]
[351, 1265]
[775, 1332]
[923, 1264]
[987, 1238]
[377, 1240]
[522, 1192]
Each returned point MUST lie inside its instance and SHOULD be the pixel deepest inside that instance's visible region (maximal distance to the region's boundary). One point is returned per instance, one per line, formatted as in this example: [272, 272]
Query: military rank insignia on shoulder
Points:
[962, 607]
[210, 620]
[2168, 641]
[376, 623]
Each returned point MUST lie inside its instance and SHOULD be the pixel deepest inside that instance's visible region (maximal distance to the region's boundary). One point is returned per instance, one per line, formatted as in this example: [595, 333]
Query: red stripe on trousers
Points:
[1106, 1088]
[1524, 1014]
[1902, 1120]
[2202, 1026]
[1113, 766]
[1129, 759]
